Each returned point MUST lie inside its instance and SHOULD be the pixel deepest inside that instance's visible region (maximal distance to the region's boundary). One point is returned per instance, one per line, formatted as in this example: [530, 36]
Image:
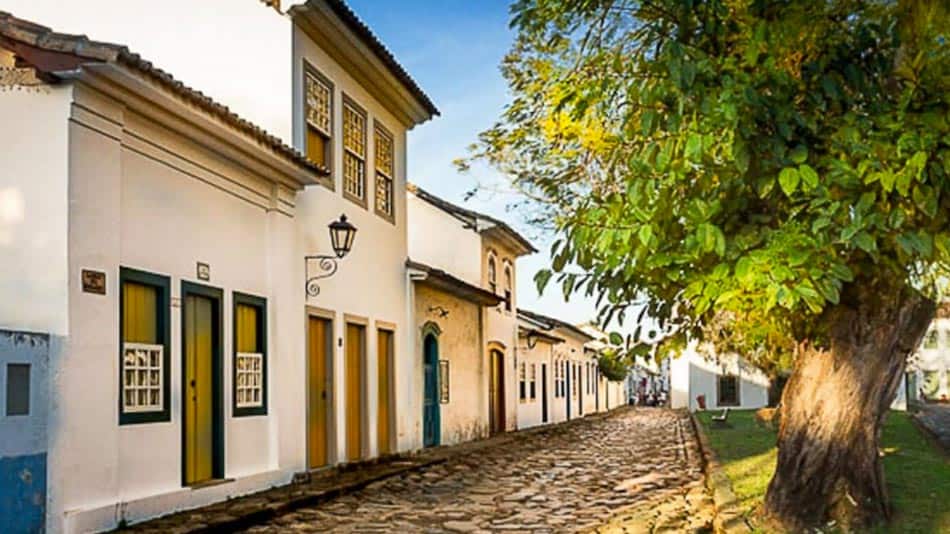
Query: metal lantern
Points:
[342, 234]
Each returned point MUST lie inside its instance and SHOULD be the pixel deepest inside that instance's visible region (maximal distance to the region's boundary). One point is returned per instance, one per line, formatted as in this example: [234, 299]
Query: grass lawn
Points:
[918, 476]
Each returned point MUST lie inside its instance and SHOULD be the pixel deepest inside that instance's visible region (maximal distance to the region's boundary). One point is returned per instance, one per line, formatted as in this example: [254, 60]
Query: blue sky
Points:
[453, 48]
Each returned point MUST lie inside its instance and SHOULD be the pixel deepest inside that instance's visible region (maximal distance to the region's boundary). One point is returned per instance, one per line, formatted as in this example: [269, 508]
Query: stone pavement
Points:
[632, 471]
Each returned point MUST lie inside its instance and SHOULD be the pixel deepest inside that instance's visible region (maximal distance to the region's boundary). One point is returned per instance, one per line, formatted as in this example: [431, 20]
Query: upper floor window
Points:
[508, 286]
[383, 144]
[354, 153]
[318, 110]
[492, 275]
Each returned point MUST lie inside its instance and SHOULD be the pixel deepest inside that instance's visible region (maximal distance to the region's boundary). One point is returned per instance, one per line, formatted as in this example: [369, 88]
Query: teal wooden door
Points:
[430, 416]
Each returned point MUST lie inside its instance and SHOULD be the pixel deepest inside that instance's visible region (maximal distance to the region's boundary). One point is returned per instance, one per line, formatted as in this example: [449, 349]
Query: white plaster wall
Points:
[235, 51]
[693, 374]
[530, 411]
[143, 197]
[33, 214]
[371, 280]
[439, 240]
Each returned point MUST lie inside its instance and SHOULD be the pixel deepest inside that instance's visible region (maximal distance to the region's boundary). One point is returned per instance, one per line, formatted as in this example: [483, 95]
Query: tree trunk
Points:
[833, 406]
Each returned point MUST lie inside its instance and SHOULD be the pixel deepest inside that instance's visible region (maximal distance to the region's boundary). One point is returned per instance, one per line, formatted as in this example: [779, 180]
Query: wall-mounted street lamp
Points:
[342, 234]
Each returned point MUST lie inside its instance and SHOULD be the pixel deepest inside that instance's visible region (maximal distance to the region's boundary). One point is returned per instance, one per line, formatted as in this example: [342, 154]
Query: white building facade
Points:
[720, 380]
[165, 352]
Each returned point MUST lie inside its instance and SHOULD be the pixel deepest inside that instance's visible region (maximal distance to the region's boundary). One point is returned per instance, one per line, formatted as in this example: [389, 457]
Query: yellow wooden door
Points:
[199, 422]
[384, 340]
[319, 391]
[354, 394]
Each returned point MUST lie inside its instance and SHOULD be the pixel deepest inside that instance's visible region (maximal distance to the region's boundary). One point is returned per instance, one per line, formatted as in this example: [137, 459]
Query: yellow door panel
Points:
[384, 340]
[319, 392]
[354, 396]
[199, 417]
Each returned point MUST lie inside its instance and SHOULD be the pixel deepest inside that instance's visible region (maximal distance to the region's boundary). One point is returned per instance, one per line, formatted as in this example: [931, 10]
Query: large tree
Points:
[772, 177]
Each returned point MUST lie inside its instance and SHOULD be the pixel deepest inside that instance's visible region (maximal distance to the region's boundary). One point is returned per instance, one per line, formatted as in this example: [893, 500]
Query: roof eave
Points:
[329, 22]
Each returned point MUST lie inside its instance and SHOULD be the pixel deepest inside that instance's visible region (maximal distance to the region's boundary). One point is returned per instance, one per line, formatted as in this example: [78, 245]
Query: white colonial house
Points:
[927, 378]
[171, 334]
[722, 380]
[463, 268]
[558, 372]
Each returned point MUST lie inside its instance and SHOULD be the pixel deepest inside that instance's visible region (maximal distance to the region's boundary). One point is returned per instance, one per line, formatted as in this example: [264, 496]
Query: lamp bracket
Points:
[327, 265]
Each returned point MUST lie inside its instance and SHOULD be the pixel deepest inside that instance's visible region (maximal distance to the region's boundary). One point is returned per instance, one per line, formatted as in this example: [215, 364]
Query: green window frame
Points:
[161, 337]
[243, 360]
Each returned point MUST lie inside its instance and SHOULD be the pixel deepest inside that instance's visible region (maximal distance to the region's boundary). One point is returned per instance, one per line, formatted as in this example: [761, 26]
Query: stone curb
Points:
[728, 518]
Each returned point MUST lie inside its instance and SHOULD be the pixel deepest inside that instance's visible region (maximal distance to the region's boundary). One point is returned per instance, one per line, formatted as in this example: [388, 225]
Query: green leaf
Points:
[809, 177]
[541, 279]
[645, 234]
[842, 272]
[616, 338]
[743, 266]
[798, 154]
[864, 241]
[694, 147]
[829, 291]
[788, 179]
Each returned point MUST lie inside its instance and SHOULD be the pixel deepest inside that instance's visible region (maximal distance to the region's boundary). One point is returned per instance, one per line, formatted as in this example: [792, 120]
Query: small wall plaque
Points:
[93, 282]
[204, 271]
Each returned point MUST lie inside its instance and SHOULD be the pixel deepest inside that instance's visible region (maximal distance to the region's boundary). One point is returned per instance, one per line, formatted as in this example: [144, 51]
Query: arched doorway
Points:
[431, 430]
[496, 392]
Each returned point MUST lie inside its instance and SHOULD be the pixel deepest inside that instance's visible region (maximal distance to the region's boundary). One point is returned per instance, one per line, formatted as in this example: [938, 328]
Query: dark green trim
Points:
[217, 375]
[163, 324]
[261, 305]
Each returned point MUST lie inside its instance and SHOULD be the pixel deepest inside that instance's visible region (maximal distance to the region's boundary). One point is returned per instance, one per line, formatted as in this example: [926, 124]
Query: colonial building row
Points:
[195, 308]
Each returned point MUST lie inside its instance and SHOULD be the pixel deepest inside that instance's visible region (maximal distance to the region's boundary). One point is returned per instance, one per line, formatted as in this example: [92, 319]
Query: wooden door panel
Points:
[319, 391]
[384, 341]
[199, 414]
[354, 394]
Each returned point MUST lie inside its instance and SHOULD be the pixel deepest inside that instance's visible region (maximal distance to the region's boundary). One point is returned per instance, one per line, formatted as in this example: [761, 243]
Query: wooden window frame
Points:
[260, 303]
[380, 130]
[533, 382]
[492, 269]
[364, 201]
[310, 70]
[508, 273]
[522, 382]
[162, 284]
[719, 401]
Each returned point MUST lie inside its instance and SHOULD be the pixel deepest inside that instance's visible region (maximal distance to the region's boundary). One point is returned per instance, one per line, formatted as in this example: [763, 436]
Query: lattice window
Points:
[142, 377]
[354, 153]
[383, 143]
[249, 377]
[319, 104]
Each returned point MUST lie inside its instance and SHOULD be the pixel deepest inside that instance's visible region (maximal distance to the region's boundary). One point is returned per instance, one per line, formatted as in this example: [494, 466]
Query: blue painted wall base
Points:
[23, 494]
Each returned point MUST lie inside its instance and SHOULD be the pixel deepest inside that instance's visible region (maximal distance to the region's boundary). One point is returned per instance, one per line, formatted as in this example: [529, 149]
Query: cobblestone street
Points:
[633, 471]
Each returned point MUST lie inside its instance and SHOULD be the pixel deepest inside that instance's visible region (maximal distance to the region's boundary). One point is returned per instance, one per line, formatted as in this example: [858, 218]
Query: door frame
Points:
[500, 396]
[216, 296]
[331, 426]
